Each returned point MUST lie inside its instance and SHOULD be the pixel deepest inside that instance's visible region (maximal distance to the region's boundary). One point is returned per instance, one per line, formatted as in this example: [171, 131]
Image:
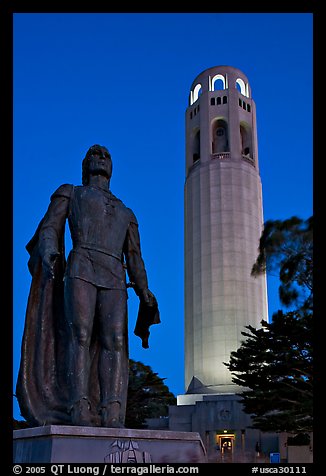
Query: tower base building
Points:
[223, 426]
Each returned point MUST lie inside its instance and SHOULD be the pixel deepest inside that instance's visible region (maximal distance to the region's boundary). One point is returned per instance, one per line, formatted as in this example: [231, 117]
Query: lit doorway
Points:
[225, 442]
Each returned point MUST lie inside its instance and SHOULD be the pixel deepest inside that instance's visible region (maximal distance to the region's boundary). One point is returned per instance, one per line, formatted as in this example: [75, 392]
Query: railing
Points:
[248, 159]
[227, 155]
[221, 155]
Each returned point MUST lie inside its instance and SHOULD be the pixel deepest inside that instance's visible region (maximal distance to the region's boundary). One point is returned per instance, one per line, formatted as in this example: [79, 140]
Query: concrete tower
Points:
[223, 224]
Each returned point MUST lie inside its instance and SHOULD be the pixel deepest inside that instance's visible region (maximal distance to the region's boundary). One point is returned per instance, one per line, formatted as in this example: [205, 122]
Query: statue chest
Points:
[94, 213]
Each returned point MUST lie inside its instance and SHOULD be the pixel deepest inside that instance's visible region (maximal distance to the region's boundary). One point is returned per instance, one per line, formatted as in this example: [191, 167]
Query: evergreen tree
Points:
[19, 424]
[274, 363]
[286, 247]
[148, 396]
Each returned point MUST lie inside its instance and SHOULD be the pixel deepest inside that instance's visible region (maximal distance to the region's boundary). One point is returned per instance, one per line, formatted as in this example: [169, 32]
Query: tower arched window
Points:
[194, 95]
[242, 87]
[218, 82]
[246, 140]
[196, 147]
[220, 142]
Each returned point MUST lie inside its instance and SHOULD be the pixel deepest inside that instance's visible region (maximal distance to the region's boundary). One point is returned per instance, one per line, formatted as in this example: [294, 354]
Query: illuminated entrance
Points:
[225, 440]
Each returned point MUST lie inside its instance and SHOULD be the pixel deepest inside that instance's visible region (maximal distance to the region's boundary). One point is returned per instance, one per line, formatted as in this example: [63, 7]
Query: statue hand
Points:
[49, 260]
[148, 297]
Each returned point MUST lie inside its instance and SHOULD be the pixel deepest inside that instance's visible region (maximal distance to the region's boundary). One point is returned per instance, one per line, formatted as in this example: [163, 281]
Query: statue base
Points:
[80, 444]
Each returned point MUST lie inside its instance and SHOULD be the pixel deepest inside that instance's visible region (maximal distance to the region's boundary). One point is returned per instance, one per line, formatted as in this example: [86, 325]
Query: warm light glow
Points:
[242, 85]
[215, 78]
[195, 93]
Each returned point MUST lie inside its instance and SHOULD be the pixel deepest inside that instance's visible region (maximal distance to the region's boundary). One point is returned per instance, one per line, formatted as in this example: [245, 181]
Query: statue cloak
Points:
[42, 384]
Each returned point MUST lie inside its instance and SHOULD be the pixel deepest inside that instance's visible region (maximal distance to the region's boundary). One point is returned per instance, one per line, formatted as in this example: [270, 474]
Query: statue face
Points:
[100, 162]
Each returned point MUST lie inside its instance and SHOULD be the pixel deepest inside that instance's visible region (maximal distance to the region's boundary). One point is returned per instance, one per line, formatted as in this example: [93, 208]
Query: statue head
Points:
[93, 152]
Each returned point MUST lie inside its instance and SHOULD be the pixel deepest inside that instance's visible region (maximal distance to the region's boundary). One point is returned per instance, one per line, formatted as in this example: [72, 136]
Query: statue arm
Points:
[52, 228]
[134, 261]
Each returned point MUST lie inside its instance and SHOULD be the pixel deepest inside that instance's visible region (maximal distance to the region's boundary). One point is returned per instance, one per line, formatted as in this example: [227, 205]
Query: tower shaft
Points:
[223, 225]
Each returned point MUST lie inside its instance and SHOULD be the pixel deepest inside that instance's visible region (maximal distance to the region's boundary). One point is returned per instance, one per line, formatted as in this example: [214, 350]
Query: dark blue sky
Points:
[123, 80]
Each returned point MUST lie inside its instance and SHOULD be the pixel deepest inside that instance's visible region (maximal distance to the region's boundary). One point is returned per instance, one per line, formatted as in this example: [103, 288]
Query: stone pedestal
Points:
[73, 444]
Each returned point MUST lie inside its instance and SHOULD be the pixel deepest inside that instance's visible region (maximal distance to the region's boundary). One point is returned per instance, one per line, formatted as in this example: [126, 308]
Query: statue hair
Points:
[85, 163]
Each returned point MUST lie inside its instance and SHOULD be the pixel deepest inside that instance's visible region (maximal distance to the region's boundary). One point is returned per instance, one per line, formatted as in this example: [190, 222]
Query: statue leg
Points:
[113, 359]
[80, 302]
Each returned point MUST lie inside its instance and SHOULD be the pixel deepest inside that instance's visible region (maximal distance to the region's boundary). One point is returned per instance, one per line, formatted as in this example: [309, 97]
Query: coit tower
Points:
[223, 225]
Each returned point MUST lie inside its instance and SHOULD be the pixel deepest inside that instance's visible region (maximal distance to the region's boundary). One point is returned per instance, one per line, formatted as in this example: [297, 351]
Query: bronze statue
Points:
[74, 358]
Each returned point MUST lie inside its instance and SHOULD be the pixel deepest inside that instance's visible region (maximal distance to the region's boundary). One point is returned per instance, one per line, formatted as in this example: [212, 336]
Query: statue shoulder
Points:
[132, 216]
[64, 190]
